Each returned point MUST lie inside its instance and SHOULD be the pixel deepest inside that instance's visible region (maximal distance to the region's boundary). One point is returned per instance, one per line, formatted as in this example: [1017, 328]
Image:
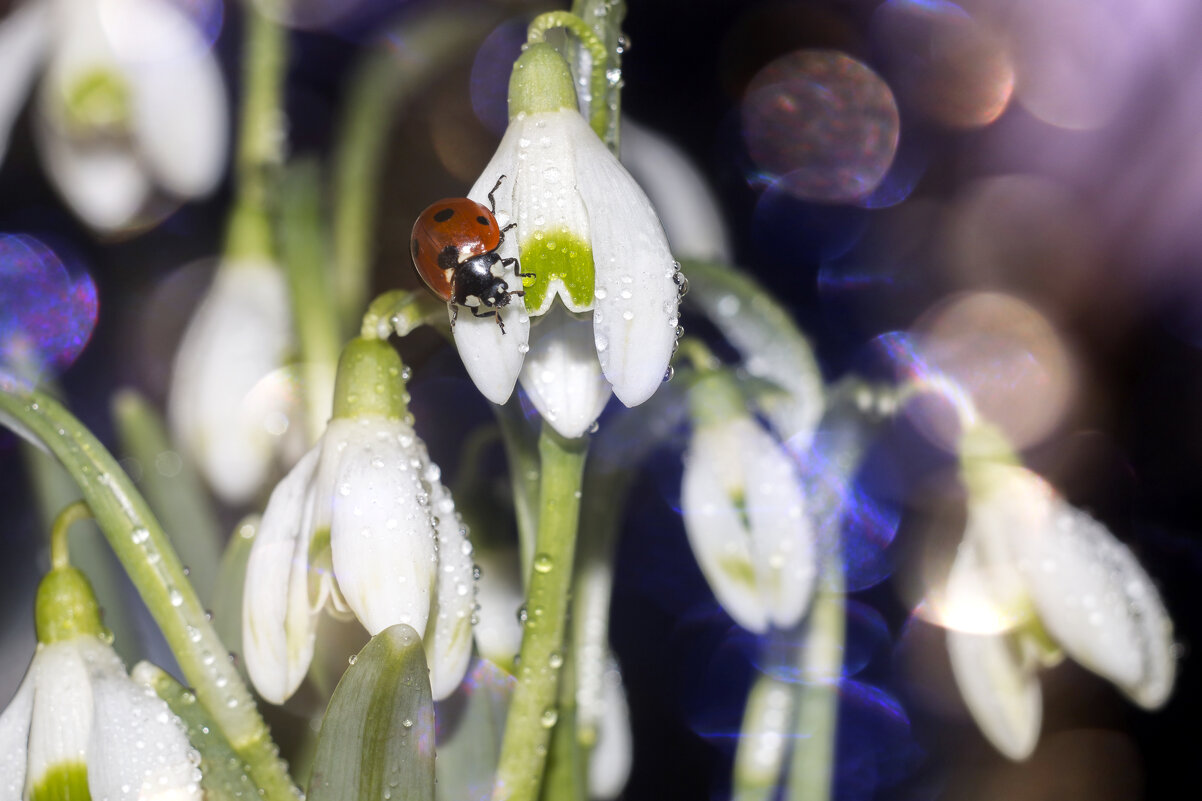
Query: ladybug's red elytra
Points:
[454, 247]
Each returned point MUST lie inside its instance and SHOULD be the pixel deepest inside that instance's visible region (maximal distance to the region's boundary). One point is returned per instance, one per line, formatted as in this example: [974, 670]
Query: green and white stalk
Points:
[140, 544]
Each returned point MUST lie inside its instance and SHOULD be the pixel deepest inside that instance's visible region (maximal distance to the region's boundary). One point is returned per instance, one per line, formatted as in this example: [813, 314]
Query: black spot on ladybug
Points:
[448, 258]
[414, 247]
[442, 215]
[482, 220]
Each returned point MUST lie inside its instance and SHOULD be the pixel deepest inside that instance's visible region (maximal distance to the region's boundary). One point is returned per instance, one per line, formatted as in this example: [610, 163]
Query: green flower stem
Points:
[144, 550]
[811, 771]
[532, 712]
[599, 117]
[521, 452]
[303, 249]
[606, 17]
[173, 488]
[565, 775]
[400, 311]
[387, 77]
[261, 137]
[59, 553]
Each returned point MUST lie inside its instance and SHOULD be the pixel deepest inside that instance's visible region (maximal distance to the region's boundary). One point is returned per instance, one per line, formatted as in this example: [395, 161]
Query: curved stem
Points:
[537, 32]
[399, 312]
[533, 712]
[59, 552]
[152, 565]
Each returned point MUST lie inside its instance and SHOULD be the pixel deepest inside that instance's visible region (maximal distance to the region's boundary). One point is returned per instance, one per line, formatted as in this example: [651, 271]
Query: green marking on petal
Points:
[98, 102]
[557, 257]
[66, 781]
[738, 570]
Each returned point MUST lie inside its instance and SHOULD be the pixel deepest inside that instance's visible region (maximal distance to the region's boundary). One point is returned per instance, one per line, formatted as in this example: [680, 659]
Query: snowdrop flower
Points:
[362, 525]
[78, 724]
[132, 104]
[744, 512]
[605, 289]
[240, 335]
[1035, 579]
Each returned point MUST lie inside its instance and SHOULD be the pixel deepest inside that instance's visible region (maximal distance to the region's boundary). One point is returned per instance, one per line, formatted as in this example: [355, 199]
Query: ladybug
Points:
[454, 248]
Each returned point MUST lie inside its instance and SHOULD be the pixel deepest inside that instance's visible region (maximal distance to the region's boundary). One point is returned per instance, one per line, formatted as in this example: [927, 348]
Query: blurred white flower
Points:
[240, 335]
[132, 104]
[78, 725]
[744, 514]
[363, 525]
[1034, 579]
[605, 283]
[607, 722]
[499, 595]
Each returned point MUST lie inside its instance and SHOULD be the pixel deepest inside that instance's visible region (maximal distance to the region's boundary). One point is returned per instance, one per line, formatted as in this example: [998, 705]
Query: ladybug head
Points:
[496, 295]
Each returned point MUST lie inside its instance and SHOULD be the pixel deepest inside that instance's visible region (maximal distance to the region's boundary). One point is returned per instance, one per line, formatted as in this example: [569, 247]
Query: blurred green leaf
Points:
[173, 489]
[231, 576]
[471, 724]
[377, 738]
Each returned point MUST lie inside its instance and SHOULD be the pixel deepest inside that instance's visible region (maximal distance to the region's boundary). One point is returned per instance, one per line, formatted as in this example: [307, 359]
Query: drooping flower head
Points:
[1034, 580]
[236, 342]
[131, 109]
[744, 511]
[605, 290]
[361, 526]
[78, 726]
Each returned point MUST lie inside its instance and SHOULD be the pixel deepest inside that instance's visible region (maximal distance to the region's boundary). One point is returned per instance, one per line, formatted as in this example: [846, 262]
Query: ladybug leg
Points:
[502, 239]
[492, 201]
[493, 313]
[508, 262]
[454, 314]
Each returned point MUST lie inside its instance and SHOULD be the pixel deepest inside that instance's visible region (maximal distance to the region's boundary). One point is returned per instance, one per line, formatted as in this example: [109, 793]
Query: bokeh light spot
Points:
[46, 315]
[942, 62]
[1006, 356]
[822, 122]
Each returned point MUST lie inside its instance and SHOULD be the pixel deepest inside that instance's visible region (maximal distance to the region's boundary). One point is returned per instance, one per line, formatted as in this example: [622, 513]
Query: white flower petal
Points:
[277, 644]
[635, 317]
[492, 359]
[240, 334]
[1098, 603]
[546, 203]
[715, 528]
[448, 637]
[612, 756]
[782, 540]
[381, 532]
[687, 206]
[62, 709]
[562, 375]
[23, 37]
[998, 685]
[102, 182]
[499, 594]
[138, 748]
[179, 104]
[14, 740]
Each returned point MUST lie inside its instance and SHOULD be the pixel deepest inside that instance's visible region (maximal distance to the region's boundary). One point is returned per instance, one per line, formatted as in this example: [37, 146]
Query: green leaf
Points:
[224, 775]
[472, 722]
[377, 738]
[231, 576]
